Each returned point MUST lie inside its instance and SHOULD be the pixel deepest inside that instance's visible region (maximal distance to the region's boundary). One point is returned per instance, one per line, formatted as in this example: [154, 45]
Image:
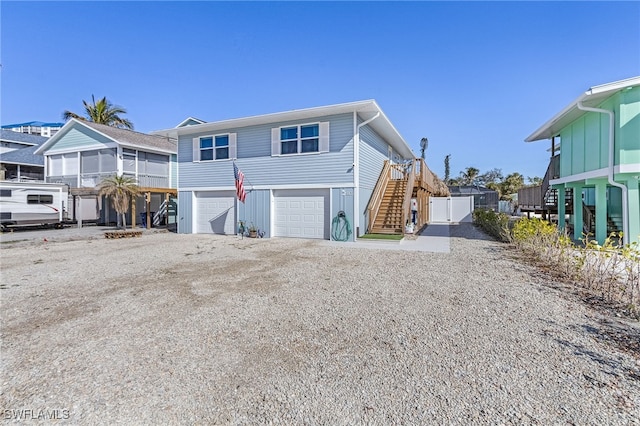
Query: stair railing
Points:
[160, 213]
[553, 171]
[406, 203]
[587, 218]
[378, 192]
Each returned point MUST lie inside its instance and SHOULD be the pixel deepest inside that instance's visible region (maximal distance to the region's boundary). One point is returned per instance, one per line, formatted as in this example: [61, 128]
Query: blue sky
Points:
[475, 78]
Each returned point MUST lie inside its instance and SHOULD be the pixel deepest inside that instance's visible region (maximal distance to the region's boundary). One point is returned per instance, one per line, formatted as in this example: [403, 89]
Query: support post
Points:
[633, 203]
[578, 217]
[133, 212]
[561, 207]
[148, 201]
[601, 212]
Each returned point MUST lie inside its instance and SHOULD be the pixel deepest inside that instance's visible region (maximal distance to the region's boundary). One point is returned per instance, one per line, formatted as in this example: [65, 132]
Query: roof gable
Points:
[592, 98]
[123, 137]
[190, 121]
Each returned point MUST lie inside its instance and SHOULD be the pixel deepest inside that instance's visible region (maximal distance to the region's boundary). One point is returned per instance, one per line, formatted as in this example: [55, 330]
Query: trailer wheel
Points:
[58, 225]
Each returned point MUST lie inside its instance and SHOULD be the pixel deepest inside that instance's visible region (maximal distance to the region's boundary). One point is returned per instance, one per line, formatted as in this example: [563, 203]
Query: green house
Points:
[595, 161]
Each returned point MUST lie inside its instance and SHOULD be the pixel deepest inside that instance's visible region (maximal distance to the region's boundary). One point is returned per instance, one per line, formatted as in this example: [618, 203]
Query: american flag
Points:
[239, 176]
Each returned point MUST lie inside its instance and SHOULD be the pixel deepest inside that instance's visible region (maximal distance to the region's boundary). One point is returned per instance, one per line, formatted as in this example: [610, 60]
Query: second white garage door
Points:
[302, 213]
[215, 212]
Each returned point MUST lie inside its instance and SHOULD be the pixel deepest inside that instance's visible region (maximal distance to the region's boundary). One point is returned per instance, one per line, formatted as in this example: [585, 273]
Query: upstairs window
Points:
[301, 139]
[216, 147]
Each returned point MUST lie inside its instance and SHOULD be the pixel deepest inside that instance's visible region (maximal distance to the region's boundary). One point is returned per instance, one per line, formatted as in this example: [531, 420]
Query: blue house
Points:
[301, 168]
[82, 153]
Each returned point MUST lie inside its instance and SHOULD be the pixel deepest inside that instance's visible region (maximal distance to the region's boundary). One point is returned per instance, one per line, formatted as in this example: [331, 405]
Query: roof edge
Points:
[604, 90]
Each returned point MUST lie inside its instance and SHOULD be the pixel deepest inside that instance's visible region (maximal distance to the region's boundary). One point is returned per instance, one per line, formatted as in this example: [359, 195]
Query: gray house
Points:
[300, 168]
[18, 160]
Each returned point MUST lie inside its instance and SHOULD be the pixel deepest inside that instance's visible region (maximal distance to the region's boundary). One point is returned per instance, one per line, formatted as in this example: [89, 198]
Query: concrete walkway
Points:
[435, 238]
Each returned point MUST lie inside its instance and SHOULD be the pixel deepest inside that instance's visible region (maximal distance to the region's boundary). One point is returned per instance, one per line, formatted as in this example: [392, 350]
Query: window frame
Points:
[299, 139]
[214, 148]
[39, 199]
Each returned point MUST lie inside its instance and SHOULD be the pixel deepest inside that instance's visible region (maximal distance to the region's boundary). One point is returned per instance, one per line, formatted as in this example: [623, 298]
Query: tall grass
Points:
[611, 270]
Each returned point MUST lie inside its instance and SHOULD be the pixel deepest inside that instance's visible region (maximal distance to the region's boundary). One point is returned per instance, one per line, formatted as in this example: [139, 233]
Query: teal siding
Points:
[259, 167]
[185, 212]
[629, 117]
[592, 160]
[585, 142]
[256, 209]
[78, 138]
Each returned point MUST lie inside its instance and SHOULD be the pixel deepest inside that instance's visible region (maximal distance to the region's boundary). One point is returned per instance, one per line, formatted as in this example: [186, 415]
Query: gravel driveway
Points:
[195, 329]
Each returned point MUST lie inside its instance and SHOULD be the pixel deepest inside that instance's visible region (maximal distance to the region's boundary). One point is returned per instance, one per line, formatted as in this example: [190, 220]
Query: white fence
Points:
[450, 209]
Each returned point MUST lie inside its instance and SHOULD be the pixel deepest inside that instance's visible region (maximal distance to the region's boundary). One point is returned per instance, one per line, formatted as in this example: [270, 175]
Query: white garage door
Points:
[215, 213]
[301, 213]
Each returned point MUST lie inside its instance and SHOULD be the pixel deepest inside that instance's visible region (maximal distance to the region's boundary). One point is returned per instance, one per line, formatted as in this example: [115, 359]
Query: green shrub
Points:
[494, 224]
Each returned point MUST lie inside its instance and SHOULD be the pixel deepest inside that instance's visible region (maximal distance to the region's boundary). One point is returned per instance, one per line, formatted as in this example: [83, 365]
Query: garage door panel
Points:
[215, 213]
[301, 216]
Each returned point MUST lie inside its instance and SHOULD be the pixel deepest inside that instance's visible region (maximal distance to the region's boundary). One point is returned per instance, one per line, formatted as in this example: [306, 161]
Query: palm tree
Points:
[121, 190]
[469, 175]
[101, 112]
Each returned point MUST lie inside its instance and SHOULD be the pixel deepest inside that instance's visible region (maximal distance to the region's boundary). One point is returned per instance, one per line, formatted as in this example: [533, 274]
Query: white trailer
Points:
[32, 204]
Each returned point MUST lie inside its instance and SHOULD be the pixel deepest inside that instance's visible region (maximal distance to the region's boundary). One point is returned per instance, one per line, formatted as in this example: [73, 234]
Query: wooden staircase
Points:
[389, 217]
[389, 208]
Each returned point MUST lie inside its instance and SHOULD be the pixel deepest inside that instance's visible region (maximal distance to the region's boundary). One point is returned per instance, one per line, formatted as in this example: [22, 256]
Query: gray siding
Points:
[79, 137]
[365, 196]
[256, 209]
[174, 170]
[185, 212]
[260, 168]
[373, 152]
[342, 199]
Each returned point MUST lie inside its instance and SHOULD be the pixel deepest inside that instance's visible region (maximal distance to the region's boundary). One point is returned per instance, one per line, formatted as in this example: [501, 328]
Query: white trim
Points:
[182, 123]
[594, 174]
[194, 214]
[271, 187]
[82, 149]
[627, 168]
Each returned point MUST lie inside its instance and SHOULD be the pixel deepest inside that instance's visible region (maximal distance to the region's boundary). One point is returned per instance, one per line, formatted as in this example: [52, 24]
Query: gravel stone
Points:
[183, 329]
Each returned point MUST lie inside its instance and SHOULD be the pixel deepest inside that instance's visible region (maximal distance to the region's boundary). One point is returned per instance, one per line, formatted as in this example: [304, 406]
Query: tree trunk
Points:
[124, 221]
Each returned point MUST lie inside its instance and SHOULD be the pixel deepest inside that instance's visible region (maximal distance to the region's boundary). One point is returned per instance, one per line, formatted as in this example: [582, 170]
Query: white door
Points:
[450, 209]
[215, 212]
[301, 213]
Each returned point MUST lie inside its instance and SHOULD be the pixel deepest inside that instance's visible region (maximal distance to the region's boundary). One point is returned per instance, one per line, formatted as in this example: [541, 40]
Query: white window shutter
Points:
[233, 143]
[196, 149]
[275, 141]
[324, 137]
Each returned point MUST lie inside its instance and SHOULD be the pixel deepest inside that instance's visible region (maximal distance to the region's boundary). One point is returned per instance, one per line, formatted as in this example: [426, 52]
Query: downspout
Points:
[356, 170]
[625, 210]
